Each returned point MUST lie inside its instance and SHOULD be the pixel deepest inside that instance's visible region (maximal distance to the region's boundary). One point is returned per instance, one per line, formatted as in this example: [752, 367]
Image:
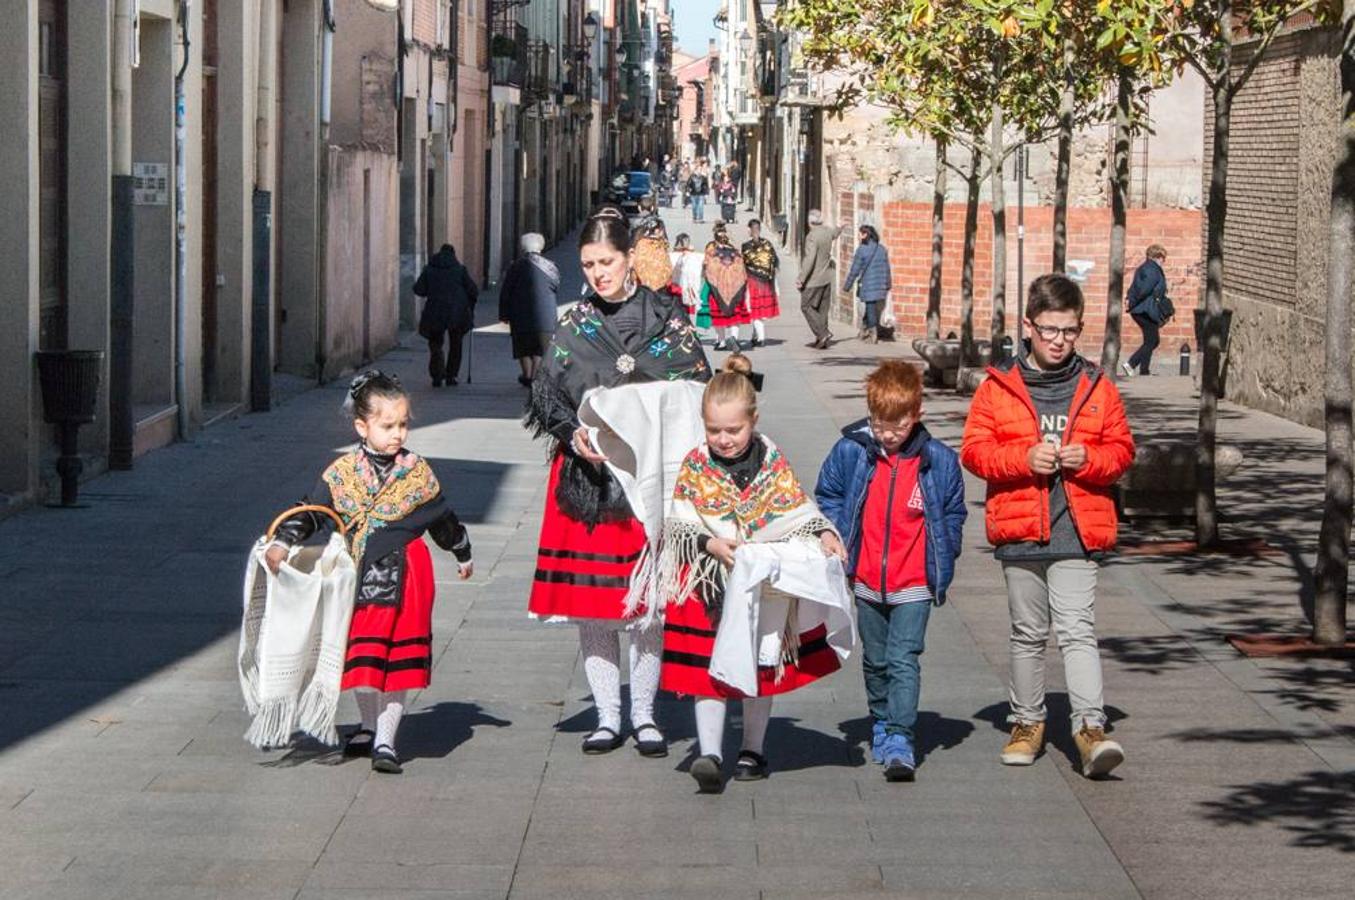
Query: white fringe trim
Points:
[273, 724]
[317, 711]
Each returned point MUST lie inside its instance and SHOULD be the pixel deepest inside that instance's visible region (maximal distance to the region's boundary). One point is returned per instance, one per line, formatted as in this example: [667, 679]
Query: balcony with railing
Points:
[509, 56]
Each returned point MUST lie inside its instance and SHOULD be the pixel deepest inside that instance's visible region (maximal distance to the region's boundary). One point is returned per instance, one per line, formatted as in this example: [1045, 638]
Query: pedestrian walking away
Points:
[817, 278]
[1149, 307]
[727, 288]
[448, 312]
[387, 497]
[896, 495]
[762, 263]
[1047, 432]
[698, 187]
[871, 274]
[528, 302]
[621, 333]
[738, 514]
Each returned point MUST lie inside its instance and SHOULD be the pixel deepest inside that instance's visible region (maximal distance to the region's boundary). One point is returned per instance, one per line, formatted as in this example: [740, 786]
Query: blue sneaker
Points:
[898, 755]
[877, 743]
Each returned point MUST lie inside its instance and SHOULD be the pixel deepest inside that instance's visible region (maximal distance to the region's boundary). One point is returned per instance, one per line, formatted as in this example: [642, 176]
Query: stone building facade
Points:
[1283, 143]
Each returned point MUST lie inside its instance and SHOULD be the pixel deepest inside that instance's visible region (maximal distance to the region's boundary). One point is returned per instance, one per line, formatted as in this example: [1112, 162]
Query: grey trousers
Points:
[1060, 593]
[814, 304]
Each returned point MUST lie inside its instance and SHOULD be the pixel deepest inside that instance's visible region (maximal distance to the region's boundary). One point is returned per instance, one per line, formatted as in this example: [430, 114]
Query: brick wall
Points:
[905, 229]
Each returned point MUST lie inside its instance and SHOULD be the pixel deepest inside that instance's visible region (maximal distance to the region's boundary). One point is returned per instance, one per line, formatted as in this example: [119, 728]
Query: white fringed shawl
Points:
[645, 430]
[293, 639]
[706, 501]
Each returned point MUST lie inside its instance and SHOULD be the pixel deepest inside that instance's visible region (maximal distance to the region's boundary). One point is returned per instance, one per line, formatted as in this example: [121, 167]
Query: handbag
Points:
[1163, 309]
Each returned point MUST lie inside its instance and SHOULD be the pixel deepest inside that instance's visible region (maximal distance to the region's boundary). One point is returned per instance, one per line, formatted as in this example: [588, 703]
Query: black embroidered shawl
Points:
[587, 352]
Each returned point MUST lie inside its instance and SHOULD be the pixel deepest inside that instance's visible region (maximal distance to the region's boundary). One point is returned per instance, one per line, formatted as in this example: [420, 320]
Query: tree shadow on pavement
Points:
[1260, 735]
[1150, 654]
[1318, 808]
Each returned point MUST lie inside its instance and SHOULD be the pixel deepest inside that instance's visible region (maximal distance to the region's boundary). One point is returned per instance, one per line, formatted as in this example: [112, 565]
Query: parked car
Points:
[628, 189]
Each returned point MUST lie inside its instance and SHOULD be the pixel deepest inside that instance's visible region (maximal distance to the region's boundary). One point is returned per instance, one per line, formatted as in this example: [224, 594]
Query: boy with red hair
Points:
[896, 495]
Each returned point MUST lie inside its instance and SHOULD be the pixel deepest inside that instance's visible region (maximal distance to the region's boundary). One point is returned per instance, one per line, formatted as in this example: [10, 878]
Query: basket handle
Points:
[305, 507]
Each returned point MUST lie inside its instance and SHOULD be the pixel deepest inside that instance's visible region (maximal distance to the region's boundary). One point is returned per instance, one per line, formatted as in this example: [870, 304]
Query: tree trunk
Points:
[997, 154]
[971, 228]
[938, 243]
[1064, 167]
[1119, 206]
[1333, 548]
[1206, 503]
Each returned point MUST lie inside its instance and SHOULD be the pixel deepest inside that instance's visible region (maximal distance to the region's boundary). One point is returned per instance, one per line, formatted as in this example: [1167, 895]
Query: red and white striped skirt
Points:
[390, 647]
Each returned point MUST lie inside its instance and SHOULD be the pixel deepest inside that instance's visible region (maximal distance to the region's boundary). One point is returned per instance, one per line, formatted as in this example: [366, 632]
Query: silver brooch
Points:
[625, 364]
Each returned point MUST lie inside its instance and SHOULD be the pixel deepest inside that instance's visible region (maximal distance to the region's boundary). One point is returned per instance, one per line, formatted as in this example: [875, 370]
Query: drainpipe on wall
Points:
[181, 233]
[322, 200]
[121, 251]
[261, 291]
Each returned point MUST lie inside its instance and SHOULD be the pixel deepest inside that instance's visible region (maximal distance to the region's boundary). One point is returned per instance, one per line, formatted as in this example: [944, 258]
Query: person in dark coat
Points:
[1148, 286]
[527, 302]
[450, 293]
[870, 272]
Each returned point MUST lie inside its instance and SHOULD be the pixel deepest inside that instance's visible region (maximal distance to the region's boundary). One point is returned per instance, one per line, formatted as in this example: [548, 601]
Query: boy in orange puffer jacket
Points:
[1048, 433]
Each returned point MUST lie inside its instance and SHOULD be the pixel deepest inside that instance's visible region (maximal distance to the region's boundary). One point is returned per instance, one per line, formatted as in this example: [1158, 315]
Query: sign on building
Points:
[150, 184]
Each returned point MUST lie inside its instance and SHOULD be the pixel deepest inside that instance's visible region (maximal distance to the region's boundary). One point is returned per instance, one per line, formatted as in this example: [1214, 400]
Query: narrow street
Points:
[123, 773]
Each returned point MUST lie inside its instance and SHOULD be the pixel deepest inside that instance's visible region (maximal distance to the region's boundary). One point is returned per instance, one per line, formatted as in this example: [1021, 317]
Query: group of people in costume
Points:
[724, 287]
[746, 585]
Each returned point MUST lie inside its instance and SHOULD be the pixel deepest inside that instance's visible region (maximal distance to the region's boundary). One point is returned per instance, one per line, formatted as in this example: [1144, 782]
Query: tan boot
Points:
[1099, 753]
[872, 335]
[1026, 743]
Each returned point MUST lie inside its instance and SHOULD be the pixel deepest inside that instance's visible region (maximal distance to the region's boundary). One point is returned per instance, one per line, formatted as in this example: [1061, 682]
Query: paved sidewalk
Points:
[122, 771]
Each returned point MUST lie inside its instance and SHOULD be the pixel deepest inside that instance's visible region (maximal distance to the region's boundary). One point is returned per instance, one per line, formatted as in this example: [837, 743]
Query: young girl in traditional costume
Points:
[727, 281]
[761, 261]
[387, 498]
[621, 333]
[737, 489]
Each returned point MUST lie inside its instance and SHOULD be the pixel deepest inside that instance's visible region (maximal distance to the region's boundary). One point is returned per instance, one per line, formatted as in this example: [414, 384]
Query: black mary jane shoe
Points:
[524, 381]
[706, 771]
[385, 761]
[603, 740]
[652, 748]
[750, 766]
[359, 743]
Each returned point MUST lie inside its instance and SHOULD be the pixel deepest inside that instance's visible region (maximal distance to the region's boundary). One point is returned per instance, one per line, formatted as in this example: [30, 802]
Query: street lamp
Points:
[746, 43]
[590, 27]
[620, 54]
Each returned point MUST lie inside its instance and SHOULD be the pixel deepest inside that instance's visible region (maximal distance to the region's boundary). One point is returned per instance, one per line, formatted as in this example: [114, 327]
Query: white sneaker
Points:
[1125, 370]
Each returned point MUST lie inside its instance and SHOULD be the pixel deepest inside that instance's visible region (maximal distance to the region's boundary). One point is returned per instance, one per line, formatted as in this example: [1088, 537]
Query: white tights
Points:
[732, 334]
[601, 645]
[710, 724]
[760, 330]
[381, 713]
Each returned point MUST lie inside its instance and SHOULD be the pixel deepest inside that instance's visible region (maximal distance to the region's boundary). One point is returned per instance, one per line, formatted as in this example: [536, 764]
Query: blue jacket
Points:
[1149, 283]
[845, 477]
[870, 264]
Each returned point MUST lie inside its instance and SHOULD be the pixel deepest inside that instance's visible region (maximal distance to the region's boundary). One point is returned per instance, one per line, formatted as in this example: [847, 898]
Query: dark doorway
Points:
[210, 388]
[52, 312]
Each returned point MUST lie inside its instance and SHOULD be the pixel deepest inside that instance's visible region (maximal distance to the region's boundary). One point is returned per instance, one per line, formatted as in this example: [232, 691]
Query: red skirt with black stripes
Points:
[390, 647]
[583, 573]
[689, 640]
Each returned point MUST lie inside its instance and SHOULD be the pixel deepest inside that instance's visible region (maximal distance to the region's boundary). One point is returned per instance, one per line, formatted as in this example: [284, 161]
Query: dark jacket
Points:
[1148, 285]
[527, 298]
[844, 480]
[870, 265]
[698, 185]
[817, 266]
[451, 294]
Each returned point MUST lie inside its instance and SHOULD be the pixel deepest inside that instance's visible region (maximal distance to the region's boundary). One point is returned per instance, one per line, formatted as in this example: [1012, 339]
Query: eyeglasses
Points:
[1049, 332]
[892, 428]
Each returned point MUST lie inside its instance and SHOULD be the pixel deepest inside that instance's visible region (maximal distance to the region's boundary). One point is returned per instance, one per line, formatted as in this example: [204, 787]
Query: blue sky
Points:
[692, 24]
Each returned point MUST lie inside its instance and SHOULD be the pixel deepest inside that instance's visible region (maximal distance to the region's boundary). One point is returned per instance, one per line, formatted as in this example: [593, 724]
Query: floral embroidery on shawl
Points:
[365, 502]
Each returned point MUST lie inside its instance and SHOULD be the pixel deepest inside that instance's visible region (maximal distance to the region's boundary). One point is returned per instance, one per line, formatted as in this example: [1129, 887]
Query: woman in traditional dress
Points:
[727, 281]
[621, 333]
[737, 489]
[761, 261]
[687, 274]
[653, 265]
